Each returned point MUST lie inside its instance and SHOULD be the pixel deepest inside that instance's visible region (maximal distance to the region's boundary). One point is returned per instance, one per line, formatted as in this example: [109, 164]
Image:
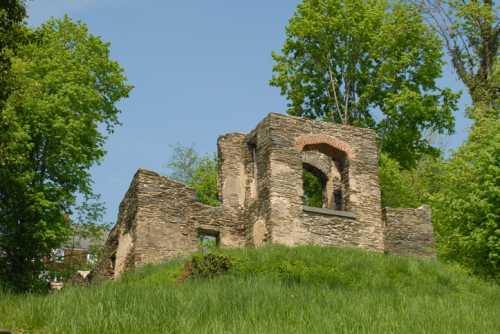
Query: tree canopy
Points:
[12, 15]
[470, 31]
[53, 127]
[466, 208]
[200, 172]
[367, 63]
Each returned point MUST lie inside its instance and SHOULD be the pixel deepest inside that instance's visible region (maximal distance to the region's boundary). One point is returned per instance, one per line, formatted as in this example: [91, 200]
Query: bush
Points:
[209, 265]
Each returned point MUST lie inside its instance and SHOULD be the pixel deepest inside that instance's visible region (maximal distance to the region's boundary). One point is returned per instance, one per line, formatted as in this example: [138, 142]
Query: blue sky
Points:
[200, 69]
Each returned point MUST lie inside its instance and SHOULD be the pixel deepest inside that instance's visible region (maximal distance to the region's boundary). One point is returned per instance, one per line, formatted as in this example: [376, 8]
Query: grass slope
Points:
[272, 290]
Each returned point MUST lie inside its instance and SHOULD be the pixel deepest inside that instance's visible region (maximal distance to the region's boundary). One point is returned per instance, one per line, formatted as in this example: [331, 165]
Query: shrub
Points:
[209, 265]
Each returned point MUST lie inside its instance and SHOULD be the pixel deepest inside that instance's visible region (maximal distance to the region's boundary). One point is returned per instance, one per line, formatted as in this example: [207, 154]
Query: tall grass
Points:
[272, 290]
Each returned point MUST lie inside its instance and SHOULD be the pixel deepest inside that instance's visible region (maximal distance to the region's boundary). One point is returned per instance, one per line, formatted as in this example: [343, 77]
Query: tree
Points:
[65, 90]
[87, 231]
[204, 181]
[471, 34]
[466, 210]
[87, 223]
[366, 63]
[12, 14]
[199, 172]
[410, 188]
[183, 163]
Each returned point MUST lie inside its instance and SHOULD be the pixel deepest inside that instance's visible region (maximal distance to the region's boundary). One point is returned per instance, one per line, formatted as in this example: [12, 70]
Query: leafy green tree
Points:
[52, 130]
[199, 172]
[367, 63]
[465, 206]
[87, 223]
[466, 210]
[409, 188]
[394, 188]
[12, 34]
[471, 34]
[204, 181]
[183, 162]
[86, 230]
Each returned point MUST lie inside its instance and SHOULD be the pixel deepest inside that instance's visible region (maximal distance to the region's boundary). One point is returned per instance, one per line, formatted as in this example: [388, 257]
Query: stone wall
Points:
[289, 137]
[261, 188]
[232, 171]
[409, 231]
[118, 252]
[160, 219]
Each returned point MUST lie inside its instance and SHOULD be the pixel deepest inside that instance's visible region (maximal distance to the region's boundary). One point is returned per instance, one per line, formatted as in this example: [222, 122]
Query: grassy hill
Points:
[272, 290]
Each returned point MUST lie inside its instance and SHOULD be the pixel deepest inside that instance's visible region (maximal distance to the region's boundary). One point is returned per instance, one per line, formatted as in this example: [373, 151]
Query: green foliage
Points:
[183, 163]
[471, 34]
[65, 90]
[313, 190]
[409, 188]
[12, 34]
[272, 290]
[204, 181]
[394, 189]
[197, 171]
[89, 234]
[209, 265]
[366, 63]
[467, 207]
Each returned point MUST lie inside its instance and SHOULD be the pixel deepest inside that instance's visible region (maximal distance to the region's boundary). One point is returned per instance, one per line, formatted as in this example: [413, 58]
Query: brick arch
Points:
[311, 139]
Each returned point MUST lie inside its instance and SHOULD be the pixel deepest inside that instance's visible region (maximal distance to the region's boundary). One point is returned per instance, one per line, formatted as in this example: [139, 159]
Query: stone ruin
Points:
[261, 191]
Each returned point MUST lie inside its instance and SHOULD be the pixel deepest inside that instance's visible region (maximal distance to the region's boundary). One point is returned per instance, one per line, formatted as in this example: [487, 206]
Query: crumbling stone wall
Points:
[160, 219]
[409, 231]
[260, 185]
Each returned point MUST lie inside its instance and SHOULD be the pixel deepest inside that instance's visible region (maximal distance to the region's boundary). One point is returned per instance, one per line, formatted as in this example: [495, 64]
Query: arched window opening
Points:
[314, 185]
[326, 177]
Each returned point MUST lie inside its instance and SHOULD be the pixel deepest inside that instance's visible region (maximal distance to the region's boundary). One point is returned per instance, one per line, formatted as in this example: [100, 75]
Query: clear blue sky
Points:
[200, 69]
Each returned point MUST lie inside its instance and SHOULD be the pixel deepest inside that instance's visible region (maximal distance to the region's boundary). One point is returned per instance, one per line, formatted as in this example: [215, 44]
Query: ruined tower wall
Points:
[258, 207]
[290, 225]
[409, 231]
[232, 169]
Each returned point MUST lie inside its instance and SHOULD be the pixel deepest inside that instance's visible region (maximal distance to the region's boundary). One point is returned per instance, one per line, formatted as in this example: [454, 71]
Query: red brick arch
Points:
[338, 144]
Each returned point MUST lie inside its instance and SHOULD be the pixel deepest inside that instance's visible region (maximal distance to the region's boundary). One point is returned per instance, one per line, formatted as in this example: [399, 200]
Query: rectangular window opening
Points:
[208, 239]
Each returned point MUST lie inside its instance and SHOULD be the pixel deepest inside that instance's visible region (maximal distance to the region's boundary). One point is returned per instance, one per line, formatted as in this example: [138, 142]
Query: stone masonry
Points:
[260, 186]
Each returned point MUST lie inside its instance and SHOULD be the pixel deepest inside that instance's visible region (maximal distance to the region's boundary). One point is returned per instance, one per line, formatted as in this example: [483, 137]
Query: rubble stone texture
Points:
[260, 186]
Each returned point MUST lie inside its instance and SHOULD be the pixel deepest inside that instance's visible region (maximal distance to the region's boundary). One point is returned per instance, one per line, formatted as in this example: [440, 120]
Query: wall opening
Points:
[325, 177]
[208, 239]
[314, 186]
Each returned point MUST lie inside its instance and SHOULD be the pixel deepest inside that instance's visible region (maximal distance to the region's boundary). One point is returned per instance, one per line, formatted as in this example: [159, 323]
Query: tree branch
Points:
[332, 82]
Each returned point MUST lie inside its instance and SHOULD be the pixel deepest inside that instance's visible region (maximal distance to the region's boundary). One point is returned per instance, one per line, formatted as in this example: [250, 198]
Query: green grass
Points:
[272, 290]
